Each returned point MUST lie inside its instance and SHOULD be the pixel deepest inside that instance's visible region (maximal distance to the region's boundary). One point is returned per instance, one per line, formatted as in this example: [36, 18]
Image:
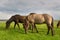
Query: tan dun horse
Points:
[17, 19]
[58, 24]
[39, 19]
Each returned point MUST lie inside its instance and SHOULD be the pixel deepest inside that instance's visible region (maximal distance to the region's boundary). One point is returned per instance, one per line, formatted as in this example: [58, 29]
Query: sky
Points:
[24, 7]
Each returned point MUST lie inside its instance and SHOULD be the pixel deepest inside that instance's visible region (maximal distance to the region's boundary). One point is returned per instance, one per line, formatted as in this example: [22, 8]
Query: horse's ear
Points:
[32, 13]
[13, 17]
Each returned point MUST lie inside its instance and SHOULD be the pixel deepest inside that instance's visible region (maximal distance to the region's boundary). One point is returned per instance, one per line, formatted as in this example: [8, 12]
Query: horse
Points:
[39, 19]
[16, 19]
[58, 24]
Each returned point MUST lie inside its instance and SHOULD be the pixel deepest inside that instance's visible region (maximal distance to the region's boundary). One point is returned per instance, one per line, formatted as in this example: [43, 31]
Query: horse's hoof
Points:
[52, 34]
[47, 33]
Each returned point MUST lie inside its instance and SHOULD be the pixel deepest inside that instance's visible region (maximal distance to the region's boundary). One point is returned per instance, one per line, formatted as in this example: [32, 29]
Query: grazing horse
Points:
[17, 19]
[58, 24]
[39, 19]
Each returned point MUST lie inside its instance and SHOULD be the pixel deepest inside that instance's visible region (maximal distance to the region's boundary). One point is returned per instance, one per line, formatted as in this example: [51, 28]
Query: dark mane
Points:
[17, 15]
[32, 13]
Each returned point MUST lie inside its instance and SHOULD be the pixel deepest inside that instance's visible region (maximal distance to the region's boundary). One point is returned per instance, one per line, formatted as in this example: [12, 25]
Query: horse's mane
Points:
[17, 15]
[32, 13]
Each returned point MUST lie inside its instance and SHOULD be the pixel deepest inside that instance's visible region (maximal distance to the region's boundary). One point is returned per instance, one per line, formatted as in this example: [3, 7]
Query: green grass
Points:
[16, 34]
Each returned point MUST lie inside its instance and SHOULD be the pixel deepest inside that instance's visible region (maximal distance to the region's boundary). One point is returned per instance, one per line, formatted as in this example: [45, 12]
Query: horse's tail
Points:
[58, 24]
[52, 22]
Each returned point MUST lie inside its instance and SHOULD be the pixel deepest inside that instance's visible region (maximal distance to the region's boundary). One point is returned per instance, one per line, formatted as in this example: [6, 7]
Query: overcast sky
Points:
[24, 7]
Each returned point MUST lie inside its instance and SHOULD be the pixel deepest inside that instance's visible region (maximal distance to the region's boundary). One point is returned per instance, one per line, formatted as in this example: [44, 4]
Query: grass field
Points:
[16, 34]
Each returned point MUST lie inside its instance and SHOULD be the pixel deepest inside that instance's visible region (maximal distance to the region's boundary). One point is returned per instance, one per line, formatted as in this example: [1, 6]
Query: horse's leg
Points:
[17, 22]
[14, 25]
[48, 29]
[57, 25]
[52, 28]
[25, 30]
[26, 27]
[29, 26]
[32, 27]
[18, 25]
[35, 28]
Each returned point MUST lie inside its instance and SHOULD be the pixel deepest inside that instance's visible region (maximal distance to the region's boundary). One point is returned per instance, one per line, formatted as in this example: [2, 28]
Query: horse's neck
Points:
[22, 17]
[10, 20]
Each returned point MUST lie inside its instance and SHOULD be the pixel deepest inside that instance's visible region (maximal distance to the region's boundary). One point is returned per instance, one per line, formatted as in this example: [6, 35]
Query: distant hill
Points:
[3, 19]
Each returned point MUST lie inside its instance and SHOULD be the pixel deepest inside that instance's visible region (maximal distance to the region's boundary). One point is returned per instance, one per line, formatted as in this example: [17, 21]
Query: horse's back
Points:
[18, 18]
[59, 21]
[37, 18]
[48, 18]
[40, 18]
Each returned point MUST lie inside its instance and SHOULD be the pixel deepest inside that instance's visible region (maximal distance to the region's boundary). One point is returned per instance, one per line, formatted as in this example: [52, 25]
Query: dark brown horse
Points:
[39, 19]
[17, 19]
[58, 24]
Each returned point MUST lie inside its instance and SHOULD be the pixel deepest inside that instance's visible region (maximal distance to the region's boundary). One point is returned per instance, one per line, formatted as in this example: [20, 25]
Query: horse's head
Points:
[7, 24]
[26, 25]
[9, 21]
